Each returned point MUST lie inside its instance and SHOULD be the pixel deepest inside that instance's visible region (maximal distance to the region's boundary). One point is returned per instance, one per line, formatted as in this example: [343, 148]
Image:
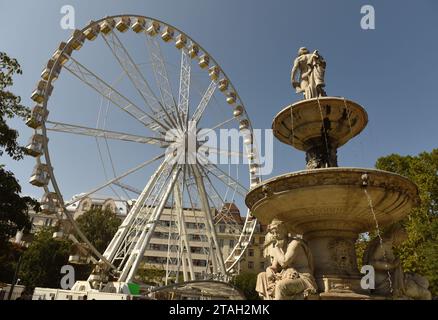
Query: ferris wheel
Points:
[146, 94]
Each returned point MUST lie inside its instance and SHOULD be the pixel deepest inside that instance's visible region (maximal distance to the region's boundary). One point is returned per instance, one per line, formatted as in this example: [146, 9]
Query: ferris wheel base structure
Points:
[87, 293]
[82, 290]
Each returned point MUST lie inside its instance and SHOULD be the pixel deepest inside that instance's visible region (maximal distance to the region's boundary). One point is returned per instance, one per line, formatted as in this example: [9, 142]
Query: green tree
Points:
[13, 208]
[246, 282]
[9, 255]
[150, 275]
[42, 261]
[99, 226]
[420, 252]
[10, 107]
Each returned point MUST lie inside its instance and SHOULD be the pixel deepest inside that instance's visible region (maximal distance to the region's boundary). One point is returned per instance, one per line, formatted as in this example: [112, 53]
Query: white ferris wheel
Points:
[150, 82]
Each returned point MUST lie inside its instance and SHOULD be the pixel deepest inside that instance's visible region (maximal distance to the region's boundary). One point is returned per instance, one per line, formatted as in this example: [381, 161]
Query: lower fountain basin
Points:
[333, 199]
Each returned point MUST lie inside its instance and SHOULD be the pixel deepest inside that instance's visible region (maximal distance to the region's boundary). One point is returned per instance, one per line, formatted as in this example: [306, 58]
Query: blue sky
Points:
[390, 71]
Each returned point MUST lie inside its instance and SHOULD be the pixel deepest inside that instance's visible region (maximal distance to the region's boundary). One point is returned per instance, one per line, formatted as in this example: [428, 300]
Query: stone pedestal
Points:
[335, 262]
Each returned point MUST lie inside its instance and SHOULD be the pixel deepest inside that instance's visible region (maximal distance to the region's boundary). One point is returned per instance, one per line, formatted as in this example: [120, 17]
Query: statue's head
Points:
[396, 233]
[278, 230]
[302, 50]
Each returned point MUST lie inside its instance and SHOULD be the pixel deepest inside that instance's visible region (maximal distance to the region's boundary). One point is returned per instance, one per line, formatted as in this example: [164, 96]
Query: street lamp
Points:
[15, 279]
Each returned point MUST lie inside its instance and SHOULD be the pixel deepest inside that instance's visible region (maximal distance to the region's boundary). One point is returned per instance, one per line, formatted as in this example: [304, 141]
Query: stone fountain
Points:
[328, 205]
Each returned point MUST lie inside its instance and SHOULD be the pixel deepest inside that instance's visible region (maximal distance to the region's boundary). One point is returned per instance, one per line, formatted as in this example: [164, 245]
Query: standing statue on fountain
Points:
[312, 70]
[290, 275]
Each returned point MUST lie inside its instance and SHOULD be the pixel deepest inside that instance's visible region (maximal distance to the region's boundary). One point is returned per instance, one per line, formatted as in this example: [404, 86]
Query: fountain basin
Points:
[343, 119]
[329, 208]
[333, 199]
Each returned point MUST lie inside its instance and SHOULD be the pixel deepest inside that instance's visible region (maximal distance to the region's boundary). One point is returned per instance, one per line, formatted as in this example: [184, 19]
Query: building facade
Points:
[228, 225]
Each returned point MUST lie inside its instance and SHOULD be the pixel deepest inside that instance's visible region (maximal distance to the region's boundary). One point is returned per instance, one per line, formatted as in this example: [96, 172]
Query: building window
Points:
[231, 243]
[251, 252]
[221, 243]
[261, 240]
[250, 265]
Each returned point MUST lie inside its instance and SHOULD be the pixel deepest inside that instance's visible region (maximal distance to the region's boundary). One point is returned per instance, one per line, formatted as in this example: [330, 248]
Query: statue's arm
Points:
[293, 74]
[285, 259]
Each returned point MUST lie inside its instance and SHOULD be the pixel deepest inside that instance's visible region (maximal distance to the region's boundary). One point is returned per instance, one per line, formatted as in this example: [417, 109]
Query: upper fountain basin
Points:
[333, 199]
[343, 119]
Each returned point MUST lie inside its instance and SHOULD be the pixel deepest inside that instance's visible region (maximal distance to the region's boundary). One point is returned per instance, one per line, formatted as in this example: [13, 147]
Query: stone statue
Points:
[312, 70]
[290, 275]
[388, 270]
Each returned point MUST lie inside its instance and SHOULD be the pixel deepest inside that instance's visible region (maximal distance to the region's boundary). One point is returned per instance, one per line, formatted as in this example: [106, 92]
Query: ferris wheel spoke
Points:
[185, 245]
[112, 181]
[222, 199]
[194, 200]
[128, 187]
[211, 232]
[219, 125]
[184, 85]
[111, 94]
[138, 217]
[222, 212]
[132, 71]
[161, 76]
[216, 199]
[226, 178]
[136, 77]
[137, 254]
[101, 133]
[206, 97]
[192, 206]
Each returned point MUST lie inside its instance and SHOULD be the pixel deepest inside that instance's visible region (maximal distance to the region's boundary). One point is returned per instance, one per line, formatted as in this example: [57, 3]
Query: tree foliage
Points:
[420, 252]
[150, 275]
[14, 209]
[42, 261]
[10, 107]
[246, 282]
[99, 226]
[9, 255]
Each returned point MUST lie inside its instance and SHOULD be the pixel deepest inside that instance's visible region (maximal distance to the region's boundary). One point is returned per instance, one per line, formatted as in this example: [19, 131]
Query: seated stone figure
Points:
[388, 270]
[290, 275]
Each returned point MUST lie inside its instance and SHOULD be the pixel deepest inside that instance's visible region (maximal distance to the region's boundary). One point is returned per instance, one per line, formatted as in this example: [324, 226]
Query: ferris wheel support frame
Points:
[137, 254]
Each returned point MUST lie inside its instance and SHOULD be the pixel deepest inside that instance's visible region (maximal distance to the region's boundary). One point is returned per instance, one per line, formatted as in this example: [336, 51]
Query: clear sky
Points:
[390, 70]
